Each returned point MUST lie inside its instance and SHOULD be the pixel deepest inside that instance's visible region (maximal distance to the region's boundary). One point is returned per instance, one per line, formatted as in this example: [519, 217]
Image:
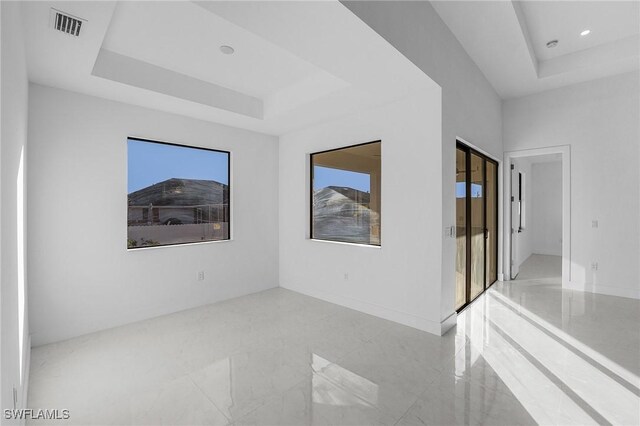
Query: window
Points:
[345, 194]
[176, 194]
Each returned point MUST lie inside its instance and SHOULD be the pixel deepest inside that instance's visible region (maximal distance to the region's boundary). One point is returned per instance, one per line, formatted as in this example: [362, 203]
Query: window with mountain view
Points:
[345, 199]
[176, 194]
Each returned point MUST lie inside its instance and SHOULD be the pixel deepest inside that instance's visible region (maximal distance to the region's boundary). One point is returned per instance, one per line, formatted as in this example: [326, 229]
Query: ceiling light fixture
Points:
[227, 50]
[552, 43]
[585, 32]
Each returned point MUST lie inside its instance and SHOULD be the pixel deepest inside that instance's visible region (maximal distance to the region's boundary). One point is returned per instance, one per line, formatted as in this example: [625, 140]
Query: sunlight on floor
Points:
[555, 377]
[522, 353]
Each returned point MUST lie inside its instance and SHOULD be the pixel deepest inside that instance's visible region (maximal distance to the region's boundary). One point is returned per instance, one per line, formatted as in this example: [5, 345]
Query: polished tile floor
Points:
[525, 352]
[540, 267]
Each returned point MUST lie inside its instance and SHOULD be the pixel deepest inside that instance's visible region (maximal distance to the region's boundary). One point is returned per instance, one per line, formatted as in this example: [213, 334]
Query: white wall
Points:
[523, 240]
[600, 122]
[82, 278]
[546, 217]
[400, 280]
[14, 358]
[471, 109]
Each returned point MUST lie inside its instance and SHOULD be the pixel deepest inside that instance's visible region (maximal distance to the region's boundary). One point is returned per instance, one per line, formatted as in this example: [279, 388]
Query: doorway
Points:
[545, 241]
[476, 224]
[517, 214]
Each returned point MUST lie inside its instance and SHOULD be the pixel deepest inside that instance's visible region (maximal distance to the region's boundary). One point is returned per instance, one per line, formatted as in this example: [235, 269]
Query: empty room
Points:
[320, 212]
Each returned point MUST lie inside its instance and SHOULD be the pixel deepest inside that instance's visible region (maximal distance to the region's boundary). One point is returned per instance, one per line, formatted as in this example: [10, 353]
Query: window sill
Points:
[178, 245]
[345, 243]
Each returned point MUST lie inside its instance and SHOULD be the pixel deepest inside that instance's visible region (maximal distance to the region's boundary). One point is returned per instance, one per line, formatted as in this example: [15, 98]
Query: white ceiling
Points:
[507, 40]
[565, 20]
[258, 68]
[295, 63]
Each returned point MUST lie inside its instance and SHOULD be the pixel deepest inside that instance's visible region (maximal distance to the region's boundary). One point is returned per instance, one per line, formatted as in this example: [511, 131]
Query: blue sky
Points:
[326, 176]
[150, 163]
[461, 189]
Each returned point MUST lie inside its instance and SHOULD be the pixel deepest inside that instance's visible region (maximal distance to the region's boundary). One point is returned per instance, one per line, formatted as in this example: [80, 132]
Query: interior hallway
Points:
[543, 268]
[522, 353]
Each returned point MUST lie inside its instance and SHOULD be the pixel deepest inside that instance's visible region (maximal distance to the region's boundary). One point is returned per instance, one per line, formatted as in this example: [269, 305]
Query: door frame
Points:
[472, 149]
[565, 152]
[513, 172]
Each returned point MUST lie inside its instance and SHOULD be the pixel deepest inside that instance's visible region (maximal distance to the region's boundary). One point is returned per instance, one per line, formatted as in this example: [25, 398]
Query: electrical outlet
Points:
[594, 223]
[594, 266]
[201, 276]
[346, 276]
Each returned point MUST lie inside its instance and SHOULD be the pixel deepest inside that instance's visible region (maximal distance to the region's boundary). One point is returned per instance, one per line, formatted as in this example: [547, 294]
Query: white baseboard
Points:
[403, 318]
[632, 293]
[26, 371]
[500, 276]
[448, 323]
[548, 253]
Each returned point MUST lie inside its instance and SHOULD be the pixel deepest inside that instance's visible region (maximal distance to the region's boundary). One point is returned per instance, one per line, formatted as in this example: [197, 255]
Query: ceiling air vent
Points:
[66, 23]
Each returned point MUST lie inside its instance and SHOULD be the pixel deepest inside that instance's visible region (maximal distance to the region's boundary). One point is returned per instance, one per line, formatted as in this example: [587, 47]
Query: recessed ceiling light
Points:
[227, 50]
[585, 32]
[552, 43]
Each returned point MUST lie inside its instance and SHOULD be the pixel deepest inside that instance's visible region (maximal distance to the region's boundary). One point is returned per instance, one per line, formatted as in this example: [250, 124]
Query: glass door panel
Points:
[476, 224]
[461, 228]
[477, 197]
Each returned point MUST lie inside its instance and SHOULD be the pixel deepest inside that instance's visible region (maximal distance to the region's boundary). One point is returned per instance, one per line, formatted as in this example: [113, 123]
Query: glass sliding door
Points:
[461, 228]
[477, 219]
[476, 224]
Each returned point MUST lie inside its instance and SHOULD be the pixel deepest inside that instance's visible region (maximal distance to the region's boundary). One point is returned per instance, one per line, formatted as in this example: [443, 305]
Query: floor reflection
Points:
[334, 385]
[525, 352]
[557, 377]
